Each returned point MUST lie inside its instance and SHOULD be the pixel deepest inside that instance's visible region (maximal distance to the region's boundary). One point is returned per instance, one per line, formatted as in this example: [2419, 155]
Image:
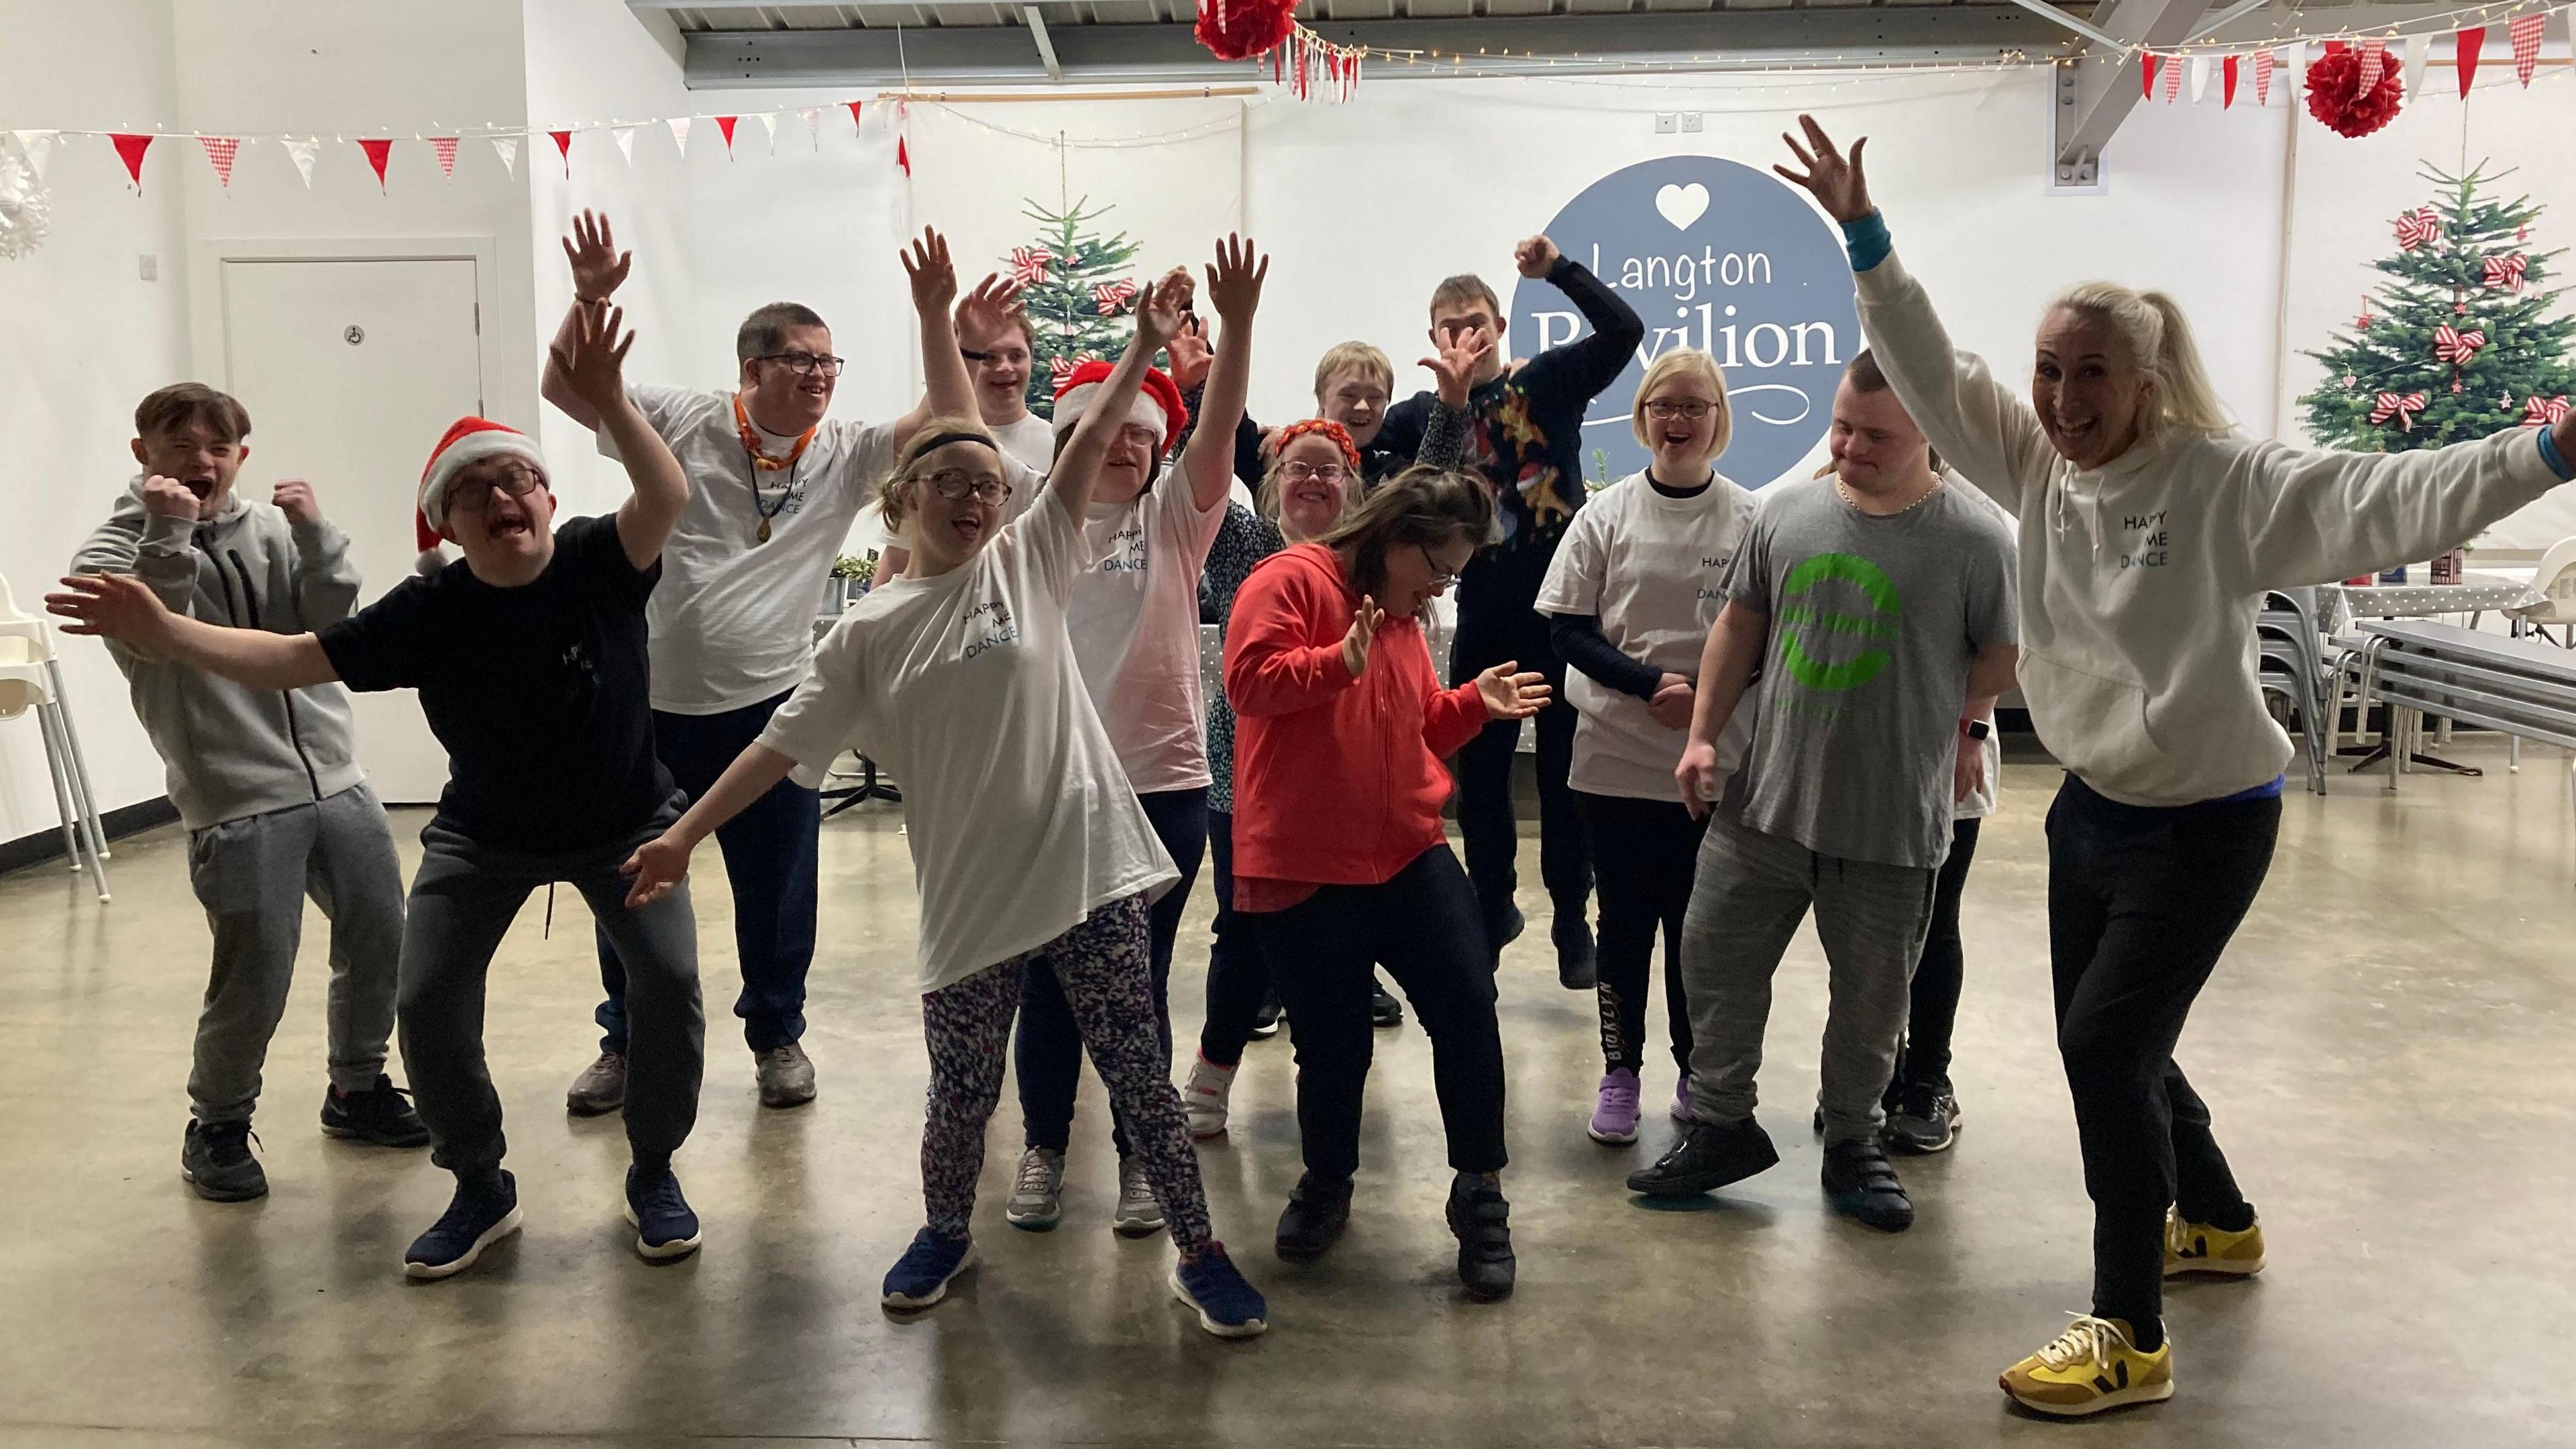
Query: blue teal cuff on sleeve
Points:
[1868, 241]
[2550, 455]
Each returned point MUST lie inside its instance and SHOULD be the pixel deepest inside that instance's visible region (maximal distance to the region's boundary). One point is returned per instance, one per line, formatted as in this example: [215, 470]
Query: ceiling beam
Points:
[1046, 43]
[2095, 93]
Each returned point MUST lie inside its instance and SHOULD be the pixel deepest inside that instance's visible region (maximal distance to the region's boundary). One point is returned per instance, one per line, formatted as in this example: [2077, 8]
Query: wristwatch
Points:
[1976, 729]
[971, 355]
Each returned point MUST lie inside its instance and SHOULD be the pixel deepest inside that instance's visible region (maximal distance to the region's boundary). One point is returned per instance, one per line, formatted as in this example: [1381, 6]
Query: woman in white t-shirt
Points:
[1026, 839]
[1632, 591]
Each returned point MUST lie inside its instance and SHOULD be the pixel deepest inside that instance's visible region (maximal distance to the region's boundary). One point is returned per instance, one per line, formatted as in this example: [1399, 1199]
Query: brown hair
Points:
[762, 331]
[180, 404]
[1422, 506]
[1464, 288]
[1867, 376]
[929, 438]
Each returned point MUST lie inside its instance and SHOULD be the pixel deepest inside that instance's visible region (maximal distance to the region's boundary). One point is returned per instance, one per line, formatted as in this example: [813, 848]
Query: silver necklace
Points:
[1845, 490]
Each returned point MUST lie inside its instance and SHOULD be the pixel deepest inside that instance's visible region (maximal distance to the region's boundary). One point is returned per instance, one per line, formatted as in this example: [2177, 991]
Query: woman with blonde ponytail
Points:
[2150, 529]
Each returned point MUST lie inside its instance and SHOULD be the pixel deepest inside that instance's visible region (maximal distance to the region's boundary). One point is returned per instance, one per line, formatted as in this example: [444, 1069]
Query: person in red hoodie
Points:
[1339, 859]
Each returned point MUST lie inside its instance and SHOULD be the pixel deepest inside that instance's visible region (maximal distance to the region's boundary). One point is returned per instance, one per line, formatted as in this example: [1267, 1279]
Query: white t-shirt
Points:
[1649, 566]
[1135, 625]
[1030, 441]
[733, 619]
[1019, 818]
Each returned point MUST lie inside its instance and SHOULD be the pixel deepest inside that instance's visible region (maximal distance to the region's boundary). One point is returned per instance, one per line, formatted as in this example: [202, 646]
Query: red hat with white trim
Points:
[1158, 403]
[469, 441]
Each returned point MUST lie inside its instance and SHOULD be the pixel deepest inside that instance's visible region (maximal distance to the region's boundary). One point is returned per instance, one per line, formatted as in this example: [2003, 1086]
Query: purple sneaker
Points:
[1614, 1118]
[1682, 1099]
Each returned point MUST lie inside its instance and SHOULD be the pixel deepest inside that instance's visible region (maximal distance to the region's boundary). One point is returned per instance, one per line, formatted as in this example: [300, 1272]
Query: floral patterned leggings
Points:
[1102, 966]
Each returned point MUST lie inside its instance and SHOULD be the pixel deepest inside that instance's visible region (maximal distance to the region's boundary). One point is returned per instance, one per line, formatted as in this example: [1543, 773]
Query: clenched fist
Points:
[294, 498]
[169, 498]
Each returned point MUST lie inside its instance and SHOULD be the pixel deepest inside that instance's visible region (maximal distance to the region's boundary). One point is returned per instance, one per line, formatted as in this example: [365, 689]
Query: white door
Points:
[351, 370]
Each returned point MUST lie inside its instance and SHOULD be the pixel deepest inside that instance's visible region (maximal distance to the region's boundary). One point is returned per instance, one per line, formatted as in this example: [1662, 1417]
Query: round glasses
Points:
[1668, 409]
[953, 485]
[1322, 472]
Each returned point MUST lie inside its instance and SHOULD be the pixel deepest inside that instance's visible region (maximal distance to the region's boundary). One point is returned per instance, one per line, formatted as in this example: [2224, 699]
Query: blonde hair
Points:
[1344, 357]
[2160, 342]
[1684, 362]
[930, 437]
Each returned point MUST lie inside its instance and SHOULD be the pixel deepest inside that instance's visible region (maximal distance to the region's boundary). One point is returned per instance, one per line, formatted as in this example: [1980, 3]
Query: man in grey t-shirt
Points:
[1879, 607]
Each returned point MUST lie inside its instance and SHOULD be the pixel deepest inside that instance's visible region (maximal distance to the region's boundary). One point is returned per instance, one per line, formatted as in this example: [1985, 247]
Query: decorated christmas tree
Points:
[2460, 342]
[1074, 285]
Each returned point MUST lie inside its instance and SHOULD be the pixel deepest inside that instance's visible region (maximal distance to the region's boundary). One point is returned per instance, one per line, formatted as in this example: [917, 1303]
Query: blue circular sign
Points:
[1715, 255]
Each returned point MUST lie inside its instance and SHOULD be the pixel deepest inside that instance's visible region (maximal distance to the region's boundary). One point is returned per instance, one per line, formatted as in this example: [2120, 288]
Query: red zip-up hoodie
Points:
[1337, 781]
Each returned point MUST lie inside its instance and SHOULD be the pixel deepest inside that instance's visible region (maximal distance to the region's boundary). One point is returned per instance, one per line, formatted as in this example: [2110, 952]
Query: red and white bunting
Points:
[814, 124]
[625, 142]
[301, 150]
[2374, 60]
[2465, 47]
[2173, 77]
[2264, 64]
[769, 125]
[856, 122]
[2227, 82]
[378, 152]
[2200, 66]
[130, 147]
[725, 124]
[507, 148]
[2147, 66]
[2419, 52]
[445, 149]
[680, 134]
[220, 151]
[2525, 32]
[563, 148]
[37, 147]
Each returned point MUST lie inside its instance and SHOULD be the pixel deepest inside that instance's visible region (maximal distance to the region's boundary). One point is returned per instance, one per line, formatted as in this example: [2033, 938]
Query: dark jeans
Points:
[1238, 978]
[1421, 925]
[1925, 1058]
[2141, 902]
[1486, 821]
[1643, 852]
[769, 852]
[1049, 1049]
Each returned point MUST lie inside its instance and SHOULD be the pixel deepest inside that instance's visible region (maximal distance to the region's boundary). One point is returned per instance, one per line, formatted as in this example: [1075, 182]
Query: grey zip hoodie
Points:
[232, 751]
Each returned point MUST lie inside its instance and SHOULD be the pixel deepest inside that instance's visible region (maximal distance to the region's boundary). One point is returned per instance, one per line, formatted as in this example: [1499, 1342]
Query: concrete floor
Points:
[2388, 1051]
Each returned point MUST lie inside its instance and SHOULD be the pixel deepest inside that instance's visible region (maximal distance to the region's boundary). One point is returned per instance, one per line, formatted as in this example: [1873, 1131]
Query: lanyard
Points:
[763, 463]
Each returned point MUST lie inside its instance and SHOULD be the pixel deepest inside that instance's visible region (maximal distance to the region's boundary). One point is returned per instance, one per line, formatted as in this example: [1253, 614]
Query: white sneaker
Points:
[1037, 1198]
[1204, 1096]
[1138, 1214]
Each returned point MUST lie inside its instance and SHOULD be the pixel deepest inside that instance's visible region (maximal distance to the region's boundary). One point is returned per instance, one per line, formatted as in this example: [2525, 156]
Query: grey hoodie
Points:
[233, 751]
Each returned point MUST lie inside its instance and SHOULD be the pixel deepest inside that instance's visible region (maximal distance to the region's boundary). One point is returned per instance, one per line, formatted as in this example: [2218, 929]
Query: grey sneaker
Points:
[1138, 1214]
[786, 1076]
[217, 1161]
[1037, 1198]
[601, 1087]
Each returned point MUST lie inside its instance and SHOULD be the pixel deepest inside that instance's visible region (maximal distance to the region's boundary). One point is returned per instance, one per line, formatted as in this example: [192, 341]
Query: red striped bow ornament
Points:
[1029, 265]
[2454, 346]
[2402, 407]
[1111, 296]
[2417, 228]
[2543, 412]
[2506, 272]
[1060, 370]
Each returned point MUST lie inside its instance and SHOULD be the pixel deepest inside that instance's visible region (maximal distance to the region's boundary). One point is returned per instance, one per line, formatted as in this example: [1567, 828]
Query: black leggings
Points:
[1924, 1060]
[1487, 823]
[1643, 853]
[2141, 902]
[1238, 981]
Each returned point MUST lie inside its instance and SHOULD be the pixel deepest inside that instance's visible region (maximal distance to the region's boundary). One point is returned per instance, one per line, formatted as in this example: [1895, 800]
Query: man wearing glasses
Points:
[774, 486]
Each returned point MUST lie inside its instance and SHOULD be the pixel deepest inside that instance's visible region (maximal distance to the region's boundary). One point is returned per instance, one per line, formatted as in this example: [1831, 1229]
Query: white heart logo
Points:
[1682, 205]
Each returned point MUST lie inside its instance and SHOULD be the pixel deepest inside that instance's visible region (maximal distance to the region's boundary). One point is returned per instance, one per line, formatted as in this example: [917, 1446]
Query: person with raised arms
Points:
[530, 660]
[1026, 838]
[2150, 528]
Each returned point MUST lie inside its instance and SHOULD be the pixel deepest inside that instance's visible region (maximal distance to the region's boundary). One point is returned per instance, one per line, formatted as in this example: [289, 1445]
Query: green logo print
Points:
[1803, 621]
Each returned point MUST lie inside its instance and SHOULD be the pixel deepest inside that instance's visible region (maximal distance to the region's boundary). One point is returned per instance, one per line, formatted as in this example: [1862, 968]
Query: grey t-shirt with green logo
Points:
[1873, 622]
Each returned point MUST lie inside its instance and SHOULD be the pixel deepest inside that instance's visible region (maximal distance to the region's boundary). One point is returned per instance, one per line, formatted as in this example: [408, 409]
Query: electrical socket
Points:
[1690, 122]
[1663, 123]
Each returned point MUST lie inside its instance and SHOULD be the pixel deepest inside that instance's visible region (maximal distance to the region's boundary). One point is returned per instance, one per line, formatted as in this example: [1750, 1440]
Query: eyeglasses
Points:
[953, 485]
[1320, 472]
[1667, 409]
[472, 495]
[804, 364]
[1441, 580]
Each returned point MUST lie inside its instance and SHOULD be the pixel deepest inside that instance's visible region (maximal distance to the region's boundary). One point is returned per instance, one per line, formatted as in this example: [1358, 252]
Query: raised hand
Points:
[1234, 280]
[933, 275]
[1509, 694]
[169, 498]
[656, 867]
[111, 606]
[1365, 621]
[1836, 181]
[1697, 775]
[596, 365]
[598, 267]
[985, 313]
[1191, 358]
[1671, 706]
[294, 498]
[1455, 366]
[1536, 257]
[1161, 309]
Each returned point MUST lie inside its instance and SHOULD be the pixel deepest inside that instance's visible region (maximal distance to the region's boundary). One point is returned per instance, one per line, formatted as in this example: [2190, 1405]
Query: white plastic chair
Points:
[31, 678]
[2555, 579]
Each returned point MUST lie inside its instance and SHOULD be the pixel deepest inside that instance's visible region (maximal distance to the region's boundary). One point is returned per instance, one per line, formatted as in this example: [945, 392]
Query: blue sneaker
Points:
[665, 1228]
[1227, 1306]
[476, 1218]
[920, 1277]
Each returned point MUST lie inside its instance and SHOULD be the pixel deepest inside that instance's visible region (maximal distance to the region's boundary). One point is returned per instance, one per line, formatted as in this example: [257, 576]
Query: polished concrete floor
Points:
[2389, 1051]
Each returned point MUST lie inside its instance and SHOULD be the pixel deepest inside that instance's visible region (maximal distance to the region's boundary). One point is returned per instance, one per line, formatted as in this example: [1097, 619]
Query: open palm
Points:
[1835, 180]
[598, 267]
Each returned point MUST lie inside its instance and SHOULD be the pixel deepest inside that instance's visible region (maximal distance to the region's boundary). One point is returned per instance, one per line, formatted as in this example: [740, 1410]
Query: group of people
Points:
[1747, 709]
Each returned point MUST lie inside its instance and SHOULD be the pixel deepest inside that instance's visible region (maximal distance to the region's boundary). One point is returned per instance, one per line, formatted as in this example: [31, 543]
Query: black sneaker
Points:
[216, 1160]
[1574, 965]
[1265, 1022]
[1706, 1159]
[1483, 1223]
[1924, 1119]
[481, 1214]
[381, 1114]
[665, 1228]
[1384, 1009]
[1316, 1214]
[1510, 929]
[1861, 1183]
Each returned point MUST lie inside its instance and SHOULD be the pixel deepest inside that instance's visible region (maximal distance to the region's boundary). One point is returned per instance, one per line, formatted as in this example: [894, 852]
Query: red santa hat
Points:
[1158, 404]
[469, 441]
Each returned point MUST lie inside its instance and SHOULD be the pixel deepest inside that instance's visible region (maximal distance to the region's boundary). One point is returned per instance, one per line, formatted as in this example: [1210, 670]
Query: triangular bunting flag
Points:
[769, 123]
[680, 133]
[625, 141]
[814, 125]
[2465, 47]
[563, 148]
[2419, 54]
[2199, 78]
[2525, 32]
[725, 124]
[902, 156]
[2374, 59]
[2147, 75]
[377, 153]
[854, 114]
[2264, 62]
[301, 150]
[38, 148]
[2173, 77]
[220, 151]
[2227, 82]
[445, 146]
[507, 148]
[129, 149]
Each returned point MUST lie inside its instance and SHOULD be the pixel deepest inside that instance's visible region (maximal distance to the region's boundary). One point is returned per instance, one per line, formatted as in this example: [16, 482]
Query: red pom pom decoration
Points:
[1242, 29]
[2335, 96]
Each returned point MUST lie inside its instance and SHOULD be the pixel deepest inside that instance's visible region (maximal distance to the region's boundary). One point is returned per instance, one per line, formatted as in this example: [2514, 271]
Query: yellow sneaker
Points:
[2200, 1248]
[2092, 1366]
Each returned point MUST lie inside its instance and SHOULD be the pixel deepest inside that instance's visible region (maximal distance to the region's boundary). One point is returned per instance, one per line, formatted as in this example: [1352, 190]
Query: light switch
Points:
[1663, 123]
[148, 267]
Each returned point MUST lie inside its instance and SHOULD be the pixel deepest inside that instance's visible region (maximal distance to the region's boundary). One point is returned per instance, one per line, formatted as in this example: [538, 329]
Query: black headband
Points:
[944, 439]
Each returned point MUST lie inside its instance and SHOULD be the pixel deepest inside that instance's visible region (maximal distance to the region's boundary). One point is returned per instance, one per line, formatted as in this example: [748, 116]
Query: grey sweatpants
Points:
[1749, 895]
[462, 902]
[252, 876]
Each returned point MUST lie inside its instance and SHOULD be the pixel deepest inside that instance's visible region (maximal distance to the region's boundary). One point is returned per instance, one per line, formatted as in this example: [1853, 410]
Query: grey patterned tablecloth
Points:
[2476, 593]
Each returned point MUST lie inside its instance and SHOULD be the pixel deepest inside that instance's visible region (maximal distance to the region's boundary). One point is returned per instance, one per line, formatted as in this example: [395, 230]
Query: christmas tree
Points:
[2462, 343]
[1072, 285]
